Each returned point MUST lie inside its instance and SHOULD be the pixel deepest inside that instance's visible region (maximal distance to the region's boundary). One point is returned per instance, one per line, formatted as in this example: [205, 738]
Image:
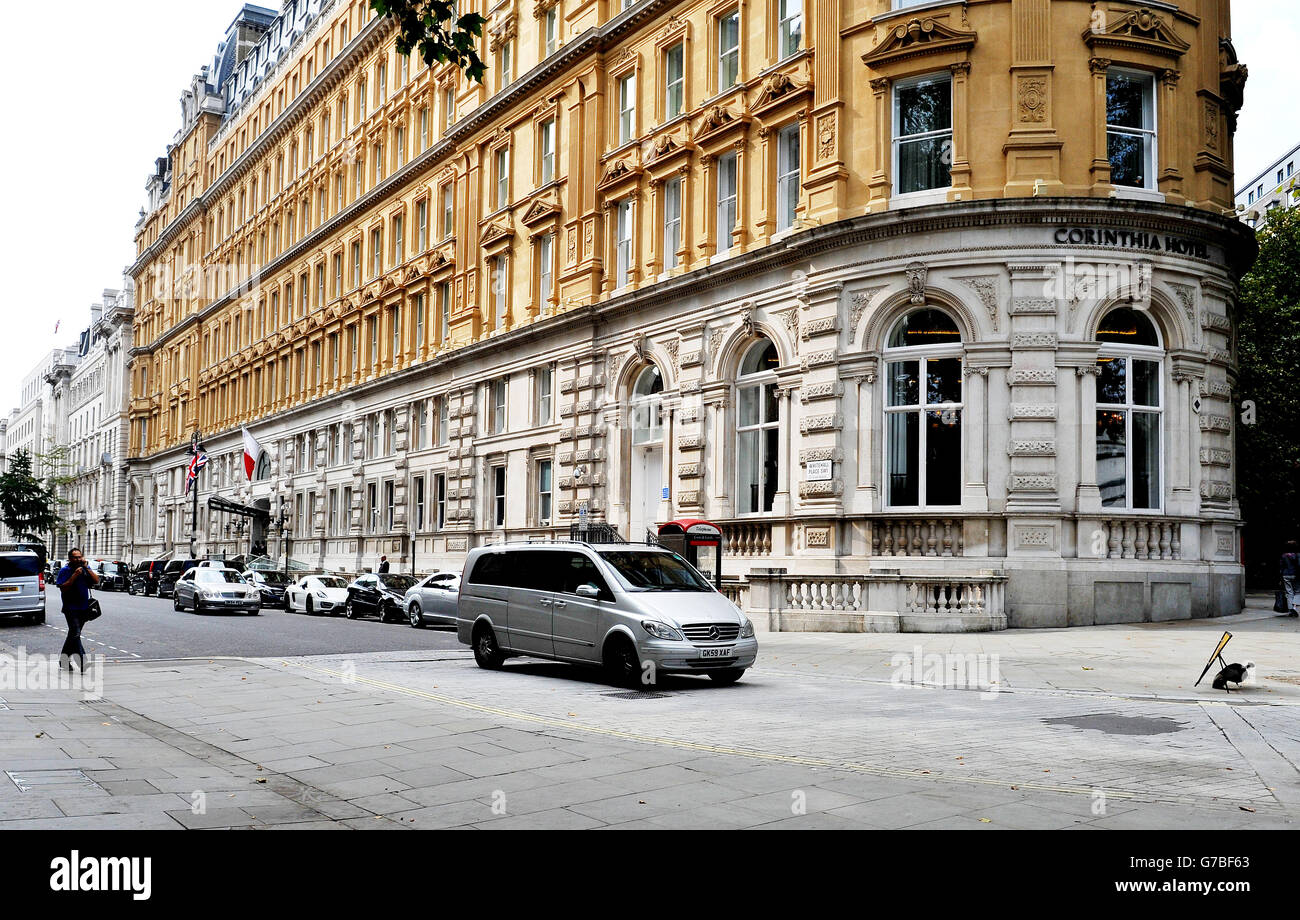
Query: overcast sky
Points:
[85, 125]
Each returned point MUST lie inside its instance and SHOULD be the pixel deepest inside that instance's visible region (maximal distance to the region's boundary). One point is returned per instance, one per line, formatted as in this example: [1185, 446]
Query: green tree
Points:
[432, 28]
[1268, 349]
[28, 506]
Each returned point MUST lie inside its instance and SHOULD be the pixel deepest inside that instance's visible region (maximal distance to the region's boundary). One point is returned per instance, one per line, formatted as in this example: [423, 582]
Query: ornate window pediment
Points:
[668, 148]
[1138, 30]
[917, 37]
[440, 260]
[621, 174]
[497, 232]
[502, 31]
[777, 89]
[541, 209]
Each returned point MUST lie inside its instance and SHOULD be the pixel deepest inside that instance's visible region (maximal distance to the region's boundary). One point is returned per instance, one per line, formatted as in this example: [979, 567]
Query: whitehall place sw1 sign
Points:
[1137, 240]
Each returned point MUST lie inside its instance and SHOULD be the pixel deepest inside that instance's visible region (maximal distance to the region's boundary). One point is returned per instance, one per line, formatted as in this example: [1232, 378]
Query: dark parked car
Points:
[172, 574]
[383, 596]
[113, 576]
[272, 586]
[144, 580]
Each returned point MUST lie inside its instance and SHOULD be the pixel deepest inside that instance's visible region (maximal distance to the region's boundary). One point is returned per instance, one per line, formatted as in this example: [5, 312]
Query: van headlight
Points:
[662, 630]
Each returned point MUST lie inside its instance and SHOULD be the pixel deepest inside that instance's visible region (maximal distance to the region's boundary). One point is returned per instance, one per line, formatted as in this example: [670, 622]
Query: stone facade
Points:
[578, 336]
[96, 431]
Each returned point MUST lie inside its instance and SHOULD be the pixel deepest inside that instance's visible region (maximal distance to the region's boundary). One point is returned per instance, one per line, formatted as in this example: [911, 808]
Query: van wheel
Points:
[416, 617]
[36, 619]
[624, 666]
[487, 653]
[729, 676]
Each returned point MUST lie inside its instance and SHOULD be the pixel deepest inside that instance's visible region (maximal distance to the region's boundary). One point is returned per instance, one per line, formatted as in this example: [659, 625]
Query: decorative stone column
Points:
[821, 424]
[717, 403]
[690, 429]
[879, 185]
[1169, 177]
[975, 491]
[1100, 169]
[1087, 498]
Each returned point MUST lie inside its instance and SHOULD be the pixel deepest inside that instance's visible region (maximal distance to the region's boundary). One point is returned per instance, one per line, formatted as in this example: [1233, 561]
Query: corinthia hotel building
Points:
[928, 305]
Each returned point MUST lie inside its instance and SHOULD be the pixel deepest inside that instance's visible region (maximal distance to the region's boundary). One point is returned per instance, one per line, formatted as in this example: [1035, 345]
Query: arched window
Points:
[647, 407]
[262, 471]
[1129, 406]
[923, 409]
[757, 428]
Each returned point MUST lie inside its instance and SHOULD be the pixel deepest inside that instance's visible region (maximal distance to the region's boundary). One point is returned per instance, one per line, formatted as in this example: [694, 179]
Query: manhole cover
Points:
[1114, 724]
[33, 779]
[638, 695]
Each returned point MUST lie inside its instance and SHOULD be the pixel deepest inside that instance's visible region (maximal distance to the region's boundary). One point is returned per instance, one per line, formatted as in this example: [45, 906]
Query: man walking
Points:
[74, 583]
[383, 565]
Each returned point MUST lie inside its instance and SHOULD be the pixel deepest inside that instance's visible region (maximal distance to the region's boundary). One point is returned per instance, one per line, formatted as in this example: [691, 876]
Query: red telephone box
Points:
[699, 543]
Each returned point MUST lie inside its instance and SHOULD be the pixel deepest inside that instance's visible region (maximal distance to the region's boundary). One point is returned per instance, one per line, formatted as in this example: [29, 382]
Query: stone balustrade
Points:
[747, 538]
[1139, 538]
[916, 537]
[888, 601]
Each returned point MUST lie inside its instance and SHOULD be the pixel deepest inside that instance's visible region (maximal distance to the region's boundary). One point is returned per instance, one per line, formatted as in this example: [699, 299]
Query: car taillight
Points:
[41, 577]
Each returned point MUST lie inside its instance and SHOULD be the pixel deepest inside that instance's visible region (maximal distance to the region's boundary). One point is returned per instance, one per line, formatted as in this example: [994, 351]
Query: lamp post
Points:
[196, 448]
[282, 534]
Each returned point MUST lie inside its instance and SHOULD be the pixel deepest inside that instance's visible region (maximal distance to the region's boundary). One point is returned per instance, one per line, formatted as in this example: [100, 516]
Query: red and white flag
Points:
[252, 453]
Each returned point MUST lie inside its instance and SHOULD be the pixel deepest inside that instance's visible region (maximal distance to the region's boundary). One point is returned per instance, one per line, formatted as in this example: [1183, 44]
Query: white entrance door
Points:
[647, 489]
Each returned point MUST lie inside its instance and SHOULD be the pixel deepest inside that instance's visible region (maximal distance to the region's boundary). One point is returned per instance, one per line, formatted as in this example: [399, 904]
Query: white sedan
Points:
[317, 594]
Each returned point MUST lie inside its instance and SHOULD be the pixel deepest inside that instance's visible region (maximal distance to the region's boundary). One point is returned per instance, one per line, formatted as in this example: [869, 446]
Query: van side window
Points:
[576, 569]
[491, 569]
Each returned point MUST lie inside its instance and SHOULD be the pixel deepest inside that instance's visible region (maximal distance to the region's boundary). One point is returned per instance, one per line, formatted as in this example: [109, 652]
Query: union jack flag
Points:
[197, 462]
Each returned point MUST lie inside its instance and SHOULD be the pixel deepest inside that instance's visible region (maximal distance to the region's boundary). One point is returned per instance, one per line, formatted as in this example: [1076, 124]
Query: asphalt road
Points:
[148, 627]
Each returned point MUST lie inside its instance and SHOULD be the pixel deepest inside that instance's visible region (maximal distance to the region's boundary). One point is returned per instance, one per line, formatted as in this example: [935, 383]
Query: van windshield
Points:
[650, 571]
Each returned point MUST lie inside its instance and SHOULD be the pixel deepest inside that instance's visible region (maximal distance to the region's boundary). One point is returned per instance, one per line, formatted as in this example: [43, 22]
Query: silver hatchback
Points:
[639, 611]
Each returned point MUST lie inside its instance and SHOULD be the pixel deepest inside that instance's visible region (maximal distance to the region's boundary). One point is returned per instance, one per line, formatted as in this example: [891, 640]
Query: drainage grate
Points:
[1115, 724]
[638, 695]
[34, 779]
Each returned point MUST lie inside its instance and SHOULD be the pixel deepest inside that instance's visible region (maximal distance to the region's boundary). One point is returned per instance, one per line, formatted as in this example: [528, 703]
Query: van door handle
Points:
[559, 603]
[545, 602]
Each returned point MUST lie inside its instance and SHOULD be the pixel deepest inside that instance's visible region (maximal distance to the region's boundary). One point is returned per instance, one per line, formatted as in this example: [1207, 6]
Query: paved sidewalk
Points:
[816, 736]
[1144, 660]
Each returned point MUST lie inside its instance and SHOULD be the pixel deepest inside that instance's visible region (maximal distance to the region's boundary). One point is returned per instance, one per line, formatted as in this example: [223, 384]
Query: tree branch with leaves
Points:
[432, 29]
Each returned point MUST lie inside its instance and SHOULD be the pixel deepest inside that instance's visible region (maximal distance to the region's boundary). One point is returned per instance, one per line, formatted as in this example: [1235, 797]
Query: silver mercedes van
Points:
[22, 586]
[637, 610]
